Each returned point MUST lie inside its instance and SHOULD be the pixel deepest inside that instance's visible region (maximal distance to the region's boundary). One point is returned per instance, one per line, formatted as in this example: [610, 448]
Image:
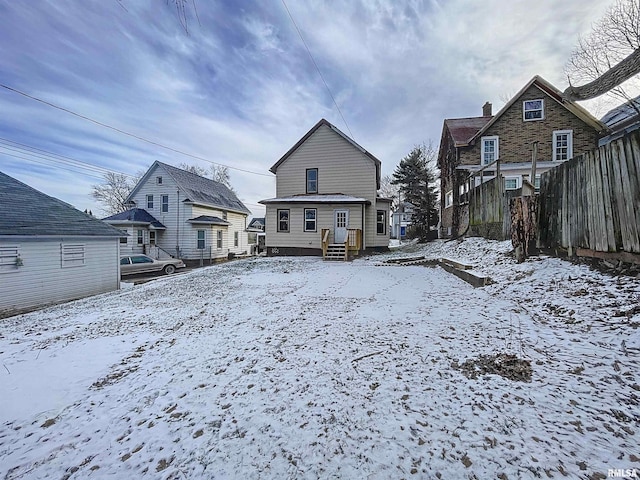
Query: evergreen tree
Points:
[417, 178]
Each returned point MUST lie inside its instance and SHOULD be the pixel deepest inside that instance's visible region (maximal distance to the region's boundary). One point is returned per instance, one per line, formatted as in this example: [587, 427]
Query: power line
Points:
[318, 69]
[25, 149]
[89, 119]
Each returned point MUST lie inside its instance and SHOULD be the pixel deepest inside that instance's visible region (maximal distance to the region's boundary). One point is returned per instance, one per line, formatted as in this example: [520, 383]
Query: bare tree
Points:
[608, 57]
[114, 192]
[388, 190]
[218, 173]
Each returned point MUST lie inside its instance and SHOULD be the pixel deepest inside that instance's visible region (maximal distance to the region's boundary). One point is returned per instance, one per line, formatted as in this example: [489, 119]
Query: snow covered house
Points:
[179, 214]
[536, 114]
[326, 201]
[51, 252]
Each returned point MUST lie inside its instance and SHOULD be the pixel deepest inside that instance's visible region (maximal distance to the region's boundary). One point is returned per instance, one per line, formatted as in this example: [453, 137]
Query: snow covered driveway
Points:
[298, 368]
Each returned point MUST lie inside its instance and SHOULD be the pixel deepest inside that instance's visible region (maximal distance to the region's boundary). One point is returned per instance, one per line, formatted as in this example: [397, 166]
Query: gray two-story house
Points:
[180, 214]
[326, 198]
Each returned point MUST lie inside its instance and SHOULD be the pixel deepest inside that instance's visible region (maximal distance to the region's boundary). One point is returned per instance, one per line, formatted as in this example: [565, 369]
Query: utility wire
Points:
[67, 163]
[84, 117]
[318, 69]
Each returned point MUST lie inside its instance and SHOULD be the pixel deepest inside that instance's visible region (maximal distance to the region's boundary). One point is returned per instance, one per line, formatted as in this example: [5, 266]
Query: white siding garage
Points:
[50, 252]
[55, 270]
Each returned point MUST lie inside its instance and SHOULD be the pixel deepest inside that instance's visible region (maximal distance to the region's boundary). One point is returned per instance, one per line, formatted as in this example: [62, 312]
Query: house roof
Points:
[462, 130]
[134, 216]
[621, 120]
[330, 198]
[324, 122]
[556, 95]
[208, 220]
[197, 189]
[28, 212]
[256, 221]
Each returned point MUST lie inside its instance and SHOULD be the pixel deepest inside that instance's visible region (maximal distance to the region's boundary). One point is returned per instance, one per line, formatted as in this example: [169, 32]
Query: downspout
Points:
[362, 213]
[178, 224]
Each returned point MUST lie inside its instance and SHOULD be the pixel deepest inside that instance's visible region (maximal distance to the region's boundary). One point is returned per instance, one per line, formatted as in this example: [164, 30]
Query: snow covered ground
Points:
[299, 368]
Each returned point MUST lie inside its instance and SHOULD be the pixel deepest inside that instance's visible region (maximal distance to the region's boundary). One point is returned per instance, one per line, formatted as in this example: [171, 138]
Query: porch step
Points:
[335, 251]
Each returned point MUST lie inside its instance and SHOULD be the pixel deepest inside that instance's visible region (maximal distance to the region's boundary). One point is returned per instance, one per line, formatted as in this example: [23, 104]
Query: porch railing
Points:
[353, 242]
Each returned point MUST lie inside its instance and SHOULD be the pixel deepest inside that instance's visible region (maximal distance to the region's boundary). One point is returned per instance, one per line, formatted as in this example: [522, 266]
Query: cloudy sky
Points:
[239, 88]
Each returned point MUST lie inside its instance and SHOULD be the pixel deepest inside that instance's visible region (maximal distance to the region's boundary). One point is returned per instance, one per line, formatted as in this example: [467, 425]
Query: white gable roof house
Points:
[326, 198]
[51, 252]
[179, 214]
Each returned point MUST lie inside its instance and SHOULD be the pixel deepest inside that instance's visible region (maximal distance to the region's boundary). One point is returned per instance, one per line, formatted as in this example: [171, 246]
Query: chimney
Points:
[486, 110]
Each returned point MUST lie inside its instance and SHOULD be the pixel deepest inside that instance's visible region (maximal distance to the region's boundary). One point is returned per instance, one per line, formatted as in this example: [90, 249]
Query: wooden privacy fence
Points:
[489, 211]
[591, 203]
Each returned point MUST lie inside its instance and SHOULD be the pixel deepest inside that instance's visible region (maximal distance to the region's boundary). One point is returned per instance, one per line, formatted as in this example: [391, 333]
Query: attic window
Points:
[533, 110]
[159, 180]
[312, 180]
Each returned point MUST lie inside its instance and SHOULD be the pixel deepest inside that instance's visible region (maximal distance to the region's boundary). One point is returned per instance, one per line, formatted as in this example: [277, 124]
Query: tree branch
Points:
[610, 79]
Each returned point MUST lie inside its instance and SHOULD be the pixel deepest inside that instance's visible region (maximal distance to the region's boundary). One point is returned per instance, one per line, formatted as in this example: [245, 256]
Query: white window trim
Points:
[149, 202]
[383, 222]
[72, 255]
[569, 134]
[524, 110]
[314, 220]
[204, 239]
[518, 180]
[488, 139]
[164, 207]
[219, 240]
[448, 199]
[9, 256]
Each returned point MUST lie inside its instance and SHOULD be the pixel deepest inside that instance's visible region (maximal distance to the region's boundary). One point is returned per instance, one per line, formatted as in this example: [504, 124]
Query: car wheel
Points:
[169, 269]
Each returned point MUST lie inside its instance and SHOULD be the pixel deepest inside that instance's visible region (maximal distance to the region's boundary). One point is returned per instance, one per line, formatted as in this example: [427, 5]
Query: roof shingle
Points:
[28, 212]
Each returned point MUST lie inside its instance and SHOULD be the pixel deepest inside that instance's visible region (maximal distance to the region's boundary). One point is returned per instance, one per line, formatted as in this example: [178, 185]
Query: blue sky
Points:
[239, 88]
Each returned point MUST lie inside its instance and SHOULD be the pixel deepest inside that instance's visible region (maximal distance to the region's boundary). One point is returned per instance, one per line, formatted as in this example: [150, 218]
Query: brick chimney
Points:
[486, 110]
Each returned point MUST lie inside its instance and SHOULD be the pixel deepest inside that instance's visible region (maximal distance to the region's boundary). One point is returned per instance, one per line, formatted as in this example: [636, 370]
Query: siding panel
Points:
[42, 280]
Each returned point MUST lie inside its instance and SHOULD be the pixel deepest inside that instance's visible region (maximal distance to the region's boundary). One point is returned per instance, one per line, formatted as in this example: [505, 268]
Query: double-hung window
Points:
[219, 239]
[236, 238]
[381, 222]
[150, 201]
[310, 216]
[511, 183]
[533, 110]
[200, 240]
[165, 203]
[490, 150]
[562, 145]
[283, 221]
[312, 180]
[140, 237]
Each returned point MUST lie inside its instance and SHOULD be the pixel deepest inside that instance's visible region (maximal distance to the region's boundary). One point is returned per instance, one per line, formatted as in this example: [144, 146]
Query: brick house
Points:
[537, 114]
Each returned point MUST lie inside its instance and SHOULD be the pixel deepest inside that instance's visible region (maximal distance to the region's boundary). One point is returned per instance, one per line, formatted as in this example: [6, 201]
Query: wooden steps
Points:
[336, 251]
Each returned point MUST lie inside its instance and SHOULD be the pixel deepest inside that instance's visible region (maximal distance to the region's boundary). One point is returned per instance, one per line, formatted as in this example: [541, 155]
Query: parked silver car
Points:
[142, 264]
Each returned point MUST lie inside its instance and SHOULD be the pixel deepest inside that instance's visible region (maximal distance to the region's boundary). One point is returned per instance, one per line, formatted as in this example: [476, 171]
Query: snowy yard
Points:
[297, 368]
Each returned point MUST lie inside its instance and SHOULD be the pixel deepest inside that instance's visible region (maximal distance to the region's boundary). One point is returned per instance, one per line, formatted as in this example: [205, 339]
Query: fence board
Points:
[593, 201]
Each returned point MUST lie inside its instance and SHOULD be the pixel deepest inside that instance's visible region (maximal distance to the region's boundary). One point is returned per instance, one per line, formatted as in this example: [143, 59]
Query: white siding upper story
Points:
[56, 270]
[342, 168]
[168, 206]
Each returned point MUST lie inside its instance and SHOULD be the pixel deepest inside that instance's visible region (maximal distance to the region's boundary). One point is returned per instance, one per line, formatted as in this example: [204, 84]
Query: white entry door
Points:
[340, 225]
